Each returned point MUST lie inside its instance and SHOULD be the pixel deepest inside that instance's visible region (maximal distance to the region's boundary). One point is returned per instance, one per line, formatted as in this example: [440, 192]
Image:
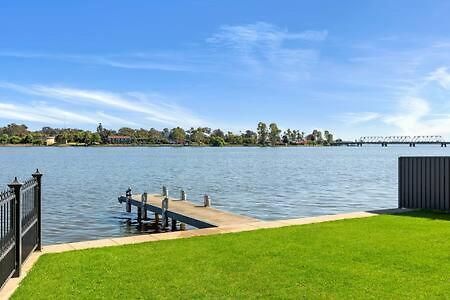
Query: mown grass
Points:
[389, 256]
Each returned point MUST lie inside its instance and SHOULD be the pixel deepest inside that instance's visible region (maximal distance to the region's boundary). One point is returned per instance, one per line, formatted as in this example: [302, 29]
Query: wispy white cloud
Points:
[124, 61]
[50, 115]
[17, 113]
[144, 106]
[261, 49]
[418, 107]
[410, 118]
[360, 117]
[416, 119]
[413, 116]
[242, 36]
[441, 76]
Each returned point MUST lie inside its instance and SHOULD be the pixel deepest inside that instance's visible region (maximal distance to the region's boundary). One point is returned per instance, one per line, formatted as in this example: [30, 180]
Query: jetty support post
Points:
[143, 205]
[164, 208]
[174, 224]
[157, 220]
[165, 191]
[183, 195]
[206, 201]
[128, 203]
[16, 187]
[139, 214]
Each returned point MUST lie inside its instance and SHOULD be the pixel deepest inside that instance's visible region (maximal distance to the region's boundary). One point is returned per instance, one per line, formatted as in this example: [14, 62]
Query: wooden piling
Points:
[182, 226]
[165, 191]
[174, 224]
[128, 195]
[143, 204]
[164, 208]
[139, 214]
[157, 219]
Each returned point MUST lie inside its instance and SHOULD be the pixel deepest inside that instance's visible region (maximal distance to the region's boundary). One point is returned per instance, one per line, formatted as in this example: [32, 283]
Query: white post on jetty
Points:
[183, 195]
[206, 201]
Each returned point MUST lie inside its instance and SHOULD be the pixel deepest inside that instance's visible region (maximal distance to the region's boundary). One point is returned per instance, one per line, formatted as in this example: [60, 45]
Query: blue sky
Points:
[355, 68]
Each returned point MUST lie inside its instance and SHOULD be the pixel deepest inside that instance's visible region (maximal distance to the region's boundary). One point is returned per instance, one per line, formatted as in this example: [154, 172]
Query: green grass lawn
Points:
[389, 256]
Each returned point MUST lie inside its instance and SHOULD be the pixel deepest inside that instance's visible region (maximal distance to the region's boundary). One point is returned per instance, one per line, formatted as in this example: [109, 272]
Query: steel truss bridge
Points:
[397, 140]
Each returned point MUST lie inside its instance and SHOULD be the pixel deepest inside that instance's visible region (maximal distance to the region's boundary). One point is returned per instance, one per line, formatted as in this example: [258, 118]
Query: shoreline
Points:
[152, 146]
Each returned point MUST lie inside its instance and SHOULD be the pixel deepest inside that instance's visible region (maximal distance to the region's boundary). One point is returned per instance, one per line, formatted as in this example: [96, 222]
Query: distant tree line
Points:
[264, 136]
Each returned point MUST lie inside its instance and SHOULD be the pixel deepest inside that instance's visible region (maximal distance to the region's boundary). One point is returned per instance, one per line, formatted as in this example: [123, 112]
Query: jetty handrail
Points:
[20, 224]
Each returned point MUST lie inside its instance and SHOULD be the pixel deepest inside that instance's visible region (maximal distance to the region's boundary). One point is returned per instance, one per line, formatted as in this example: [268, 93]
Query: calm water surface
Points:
[81, 185]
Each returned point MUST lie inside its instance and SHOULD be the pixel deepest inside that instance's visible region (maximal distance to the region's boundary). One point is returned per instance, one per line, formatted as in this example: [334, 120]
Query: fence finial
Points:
[15, 183]
[37, 174]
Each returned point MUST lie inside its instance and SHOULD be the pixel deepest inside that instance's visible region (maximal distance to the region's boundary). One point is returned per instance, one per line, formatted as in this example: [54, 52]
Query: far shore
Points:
[150, 145]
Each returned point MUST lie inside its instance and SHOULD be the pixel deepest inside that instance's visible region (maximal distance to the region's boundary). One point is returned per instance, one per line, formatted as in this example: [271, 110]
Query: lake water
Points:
[81, 185]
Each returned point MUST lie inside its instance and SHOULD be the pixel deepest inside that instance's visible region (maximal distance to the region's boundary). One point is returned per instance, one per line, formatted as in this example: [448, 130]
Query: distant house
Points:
[119, 139]
[50, 140]
[301, 142]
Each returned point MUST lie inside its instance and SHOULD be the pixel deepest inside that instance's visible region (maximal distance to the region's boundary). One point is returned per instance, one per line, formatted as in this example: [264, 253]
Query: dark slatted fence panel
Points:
[424, 182]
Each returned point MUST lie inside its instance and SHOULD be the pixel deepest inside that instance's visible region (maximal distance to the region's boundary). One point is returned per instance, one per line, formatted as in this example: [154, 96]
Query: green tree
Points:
[14, 129]
[198, 136]
[233, 139]
[48, 131]
[28, 139]
[286, 137]
[63, 137]
[219, 133]
[274, 135]
[85, 137]
[15, 139]
[249, 138]
[216, 141]
[317, 136]
[328, 137]
[104, 133]
[4, 138]
[166, 133]
[96, 138]
[178, 135]
[263, 133]
[126, 131]
[156, 137]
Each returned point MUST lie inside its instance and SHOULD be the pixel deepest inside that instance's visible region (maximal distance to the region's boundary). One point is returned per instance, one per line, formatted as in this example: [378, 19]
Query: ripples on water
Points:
[81, 185]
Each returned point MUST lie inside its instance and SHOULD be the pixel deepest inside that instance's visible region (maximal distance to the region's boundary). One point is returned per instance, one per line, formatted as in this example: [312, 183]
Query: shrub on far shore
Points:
[216, 141]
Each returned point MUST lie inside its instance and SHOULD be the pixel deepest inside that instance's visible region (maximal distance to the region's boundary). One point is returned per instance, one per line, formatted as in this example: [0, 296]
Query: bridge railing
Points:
[401, 139]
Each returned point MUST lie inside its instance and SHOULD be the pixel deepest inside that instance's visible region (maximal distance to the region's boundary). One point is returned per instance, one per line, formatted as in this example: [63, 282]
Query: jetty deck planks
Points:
[190, 213]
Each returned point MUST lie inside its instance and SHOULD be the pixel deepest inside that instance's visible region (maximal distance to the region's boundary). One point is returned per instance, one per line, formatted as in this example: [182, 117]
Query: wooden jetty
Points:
[181, 211]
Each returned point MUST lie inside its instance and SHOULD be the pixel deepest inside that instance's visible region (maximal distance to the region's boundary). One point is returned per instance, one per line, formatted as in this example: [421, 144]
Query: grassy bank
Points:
[403, 256]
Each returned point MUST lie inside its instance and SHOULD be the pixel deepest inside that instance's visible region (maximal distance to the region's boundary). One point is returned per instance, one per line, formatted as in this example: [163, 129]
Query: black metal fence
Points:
[20, 224]
[424, 182]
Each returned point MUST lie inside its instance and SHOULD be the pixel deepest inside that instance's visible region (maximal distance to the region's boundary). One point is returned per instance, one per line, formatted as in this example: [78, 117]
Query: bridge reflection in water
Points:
[395, 140]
